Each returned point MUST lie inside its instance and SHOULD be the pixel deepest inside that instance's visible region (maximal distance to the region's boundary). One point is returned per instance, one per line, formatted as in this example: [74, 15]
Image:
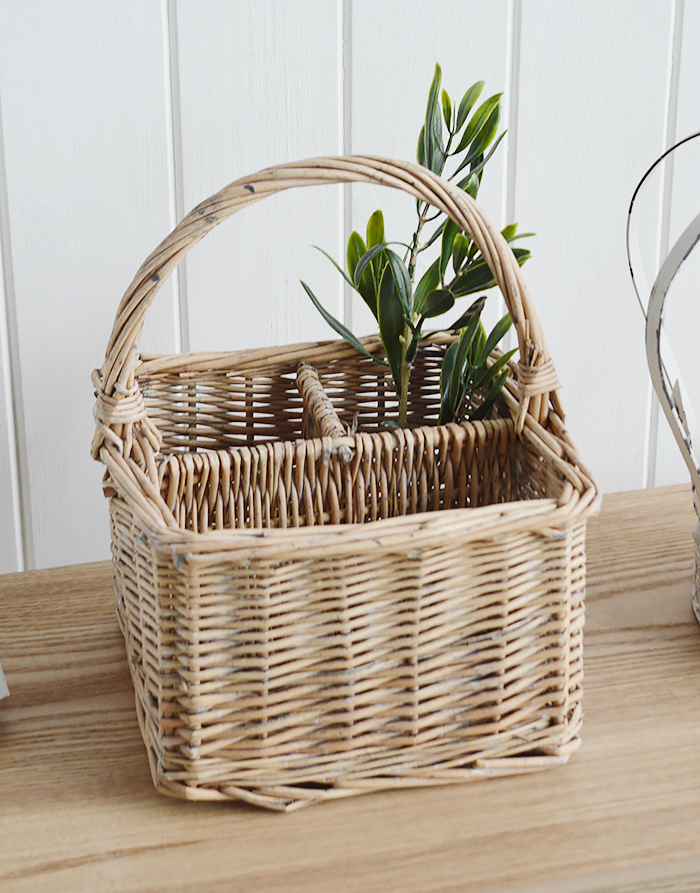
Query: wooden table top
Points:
[78, 811]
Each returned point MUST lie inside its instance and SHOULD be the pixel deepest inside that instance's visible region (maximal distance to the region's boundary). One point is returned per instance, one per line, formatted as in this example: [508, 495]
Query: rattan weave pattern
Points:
[318, 609]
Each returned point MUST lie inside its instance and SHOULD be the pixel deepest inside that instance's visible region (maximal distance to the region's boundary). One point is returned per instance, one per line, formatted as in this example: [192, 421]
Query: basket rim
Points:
[403, 534]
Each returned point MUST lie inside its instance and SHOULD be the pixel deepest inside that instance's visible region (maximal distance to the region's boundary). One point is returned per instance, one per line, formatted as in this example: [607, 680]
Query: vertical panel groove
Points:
[674, 68]
[175, 174]
[346, 10]
[513, 102]
[21, 509]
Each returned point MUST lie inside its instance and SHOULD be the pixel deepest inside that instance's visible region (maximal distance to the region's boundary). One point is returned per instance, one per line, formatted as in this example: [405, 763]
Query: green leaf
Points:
[437, 303]
[375, 229]
[478, 121]
[412, 348]
[469, 342]
[434, 154]
[508, 232]
[521, 236]
[402, 281]
[390, 423]
[446, 396]
[482, 411]
[356, 248]
[477, 277]
[452, 376]
[496, 367]
[474, 312]
[497, 333]
[363, 283]
[471, 185]
[487, 132]
[446, 109]
[420, 151]
[521, 255]
[339, 269]
[481, 141]
[467, 103]
[429, 282]
[391, 325]
[479, 166]
[459, 251]
[448, 236]
[368, 257]
[435, 236]
[339, 327]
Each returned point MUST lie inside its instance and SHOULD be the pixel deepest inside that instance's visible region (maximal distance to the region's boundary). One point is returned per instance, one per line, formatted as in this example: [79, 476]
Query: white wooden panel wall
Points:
[270, 92]
[583, 143]
[84, 125]
[118, 117]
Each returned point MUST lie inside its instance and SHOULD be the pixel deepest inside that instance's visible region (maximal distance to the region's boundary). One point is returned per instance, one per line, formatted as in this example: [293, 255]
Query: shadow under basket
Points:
[316, 606]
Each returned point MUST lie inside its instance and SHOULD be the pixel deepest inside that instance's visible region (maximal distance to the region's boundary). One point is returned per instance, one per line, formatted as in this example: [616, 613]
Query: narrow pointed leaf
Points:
[497, 333]
[477, 277]
[474, 312]
[402, 281]
[470, 184]
[459, 251]
[487, 132]
[475, 154]
[496, 367]
[447, 109]
[337, 326]
[449, 233]
[434, 154]
[478, 120]
[367, 259]
[391, 325]
[482, 411]
[364, 283]
[436, 235]
[420, 151]
[356, 248]
[446, 379]
[467, 103]
[429, 282]
[375, 229]
[433, 94]
[478, 167]
[437, 303]
[338, 268]
[508, 232]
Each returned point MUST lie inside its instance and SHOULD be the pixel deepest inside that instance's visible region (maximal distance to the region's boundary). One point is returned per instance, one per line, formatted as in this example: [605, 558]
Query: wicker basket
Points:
[311, 613]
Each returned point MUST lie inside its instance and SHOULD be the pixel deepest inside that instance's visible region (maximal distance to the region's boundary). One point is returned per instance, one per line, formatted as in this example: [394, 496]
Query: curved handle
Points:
[115, 383]
[673, 396]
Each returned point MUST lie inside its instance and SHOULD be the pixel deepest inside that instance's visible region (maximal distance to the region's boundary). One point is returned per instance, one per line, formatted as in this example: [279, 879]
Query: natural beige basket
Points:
[307, 616]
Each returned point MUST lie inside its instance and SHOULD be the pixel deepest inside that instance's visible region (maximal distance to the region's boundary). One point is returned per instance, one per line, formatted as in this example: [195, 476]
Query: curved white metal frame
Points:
[663, 368]
[665, 375]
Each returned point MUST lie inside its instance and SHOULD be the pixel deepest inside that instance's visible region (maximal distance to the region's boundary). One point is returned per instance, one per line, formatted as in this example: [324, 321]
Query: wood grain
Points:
[79, 812]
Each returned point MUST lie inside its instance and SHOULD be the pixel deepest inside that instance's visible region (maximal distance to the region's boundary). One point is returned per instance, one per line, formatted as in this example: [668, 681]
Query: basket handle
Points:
[119, 404]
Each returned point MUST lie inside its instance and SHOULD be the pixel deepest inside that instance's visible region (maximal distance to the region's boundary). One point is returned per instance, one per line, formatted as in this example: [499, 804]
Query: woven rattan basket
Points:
[311, 613]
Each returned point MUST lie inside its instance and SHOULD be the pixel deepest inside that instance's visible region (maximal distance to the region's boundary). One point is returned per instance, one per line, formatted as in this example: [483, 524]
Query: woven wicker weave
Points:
[313, 613]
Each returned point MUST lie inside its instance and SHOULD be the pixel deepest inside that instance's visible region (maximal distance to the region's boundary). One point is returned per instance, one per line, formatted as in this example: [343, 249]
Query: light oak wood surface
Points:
[78, 811]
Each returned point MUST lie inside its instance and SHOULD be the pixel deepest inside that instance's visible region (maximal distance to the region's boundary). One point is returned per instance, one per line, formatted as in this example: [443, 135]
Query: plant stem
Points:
[405, 379]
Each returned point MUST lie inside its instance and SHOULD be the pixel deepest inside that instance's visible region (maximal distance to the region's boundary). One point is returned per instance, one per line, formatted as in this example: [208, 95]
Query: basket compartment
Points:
[332, 665]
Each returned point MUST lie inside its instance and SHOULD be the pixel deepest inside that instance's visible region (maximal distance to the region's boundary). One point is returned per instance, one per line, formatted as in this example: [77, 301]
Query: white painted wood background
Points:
[117, 117]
